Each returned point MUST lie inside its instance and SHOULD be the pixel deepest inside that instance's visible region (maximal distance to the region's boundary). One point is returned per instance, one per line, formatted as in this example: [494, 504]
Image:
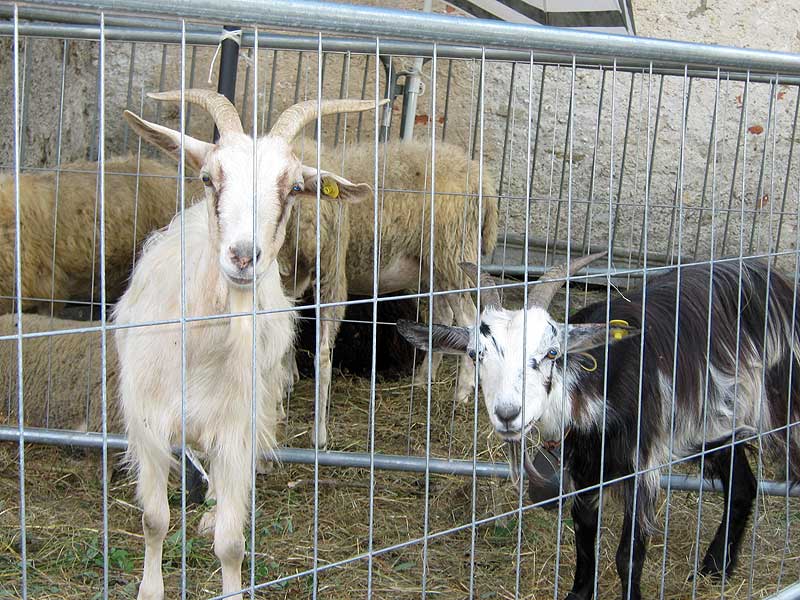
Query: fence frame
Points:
[408, 33]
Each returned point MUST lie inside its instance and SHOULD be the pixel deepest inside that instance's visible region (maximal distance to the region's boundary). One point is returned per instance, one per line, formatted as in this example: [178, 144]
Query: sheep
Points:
[62, 378]
[298, 265]
[346, 239]
[60, 228]
[749, 386]
[229, 267]
[404, 237]
[62, 381]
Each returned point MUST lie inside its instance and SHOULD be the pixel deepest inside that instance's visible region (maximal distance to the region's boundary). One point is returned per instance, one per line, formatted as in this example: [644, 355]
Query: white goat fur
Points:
[134, 206]
[221, 265]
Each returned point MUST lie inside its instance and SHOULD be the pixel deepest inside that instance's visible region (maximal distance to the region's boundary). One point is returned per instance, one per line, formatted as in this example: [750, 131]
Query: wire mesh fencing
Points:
[232, 310]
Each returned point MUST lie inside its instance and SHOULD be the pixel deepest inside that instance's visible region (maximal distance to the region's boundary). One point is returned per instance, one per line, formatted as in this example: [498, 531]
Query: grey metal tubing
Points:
[789, 593]
[210, 36]
[361, 460]
[518, 241]
[381, 22]
[537, 271]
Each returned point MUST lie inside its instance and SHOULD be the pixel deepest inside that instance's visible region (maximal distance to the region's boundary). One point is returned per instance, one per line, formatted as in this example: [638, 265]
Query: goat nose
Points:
[241, 254]
[507, 412]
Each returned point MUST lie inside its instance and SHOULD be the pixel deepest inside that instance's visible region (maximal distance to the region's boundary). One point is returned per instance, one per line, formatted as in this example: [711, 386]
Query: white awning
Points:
[608, 16]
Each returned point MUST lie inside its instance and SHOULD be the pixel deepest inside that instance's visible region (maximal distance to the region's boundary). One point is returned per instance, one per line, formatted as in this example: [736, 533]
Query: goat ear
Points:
[334, 187]
[586, 336]
[449, 340]
[169, 140]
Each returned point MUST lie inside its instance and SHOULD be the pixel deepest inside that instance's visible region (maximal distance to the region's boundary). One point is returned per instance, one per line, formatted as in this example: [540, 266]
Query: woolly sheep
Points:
[71, 218]
[212, 260]
[404, 240]
[346, 239]
[62, 379]
[62, 382]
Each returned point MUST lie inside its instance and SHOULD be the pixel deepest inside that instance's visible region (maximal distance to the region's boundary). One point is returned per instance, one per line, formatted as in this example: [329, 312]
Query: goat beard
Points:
[541, 486]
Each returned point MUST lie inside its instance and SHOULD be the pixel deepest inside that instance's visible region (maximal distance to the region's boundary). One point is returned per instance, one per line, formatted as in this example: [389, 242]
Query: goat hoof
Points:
[205, 528]
[466, 396]
[320, 439]
[421, 379]
[710, 568]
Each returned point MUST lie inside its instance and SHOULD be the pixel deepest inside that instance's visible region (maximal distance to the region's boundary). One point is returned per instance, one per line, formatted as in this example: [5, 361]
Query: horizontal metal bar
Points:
[789, 593]
[372, 21]
[361, 460]
[519, 271]
[305, 456]
[516, 241]
[158, 31]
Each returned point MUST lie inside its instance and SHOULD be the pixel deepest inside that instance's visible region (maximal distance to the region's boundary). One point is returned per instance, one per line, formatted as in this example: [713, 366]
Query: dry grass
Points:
[64, 520]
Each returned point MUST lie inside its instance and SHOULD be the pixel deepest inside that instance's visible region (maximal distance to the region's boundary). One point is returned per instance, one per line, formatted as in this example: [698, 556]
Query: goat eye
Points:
[297, 188]
[552, 354]
[205, 178]
[471, 354]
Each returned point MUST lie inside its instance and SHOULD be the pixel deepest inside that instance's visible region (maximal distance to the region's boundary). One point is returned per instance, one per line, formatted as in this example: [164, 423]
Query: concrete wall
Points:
[624, 124]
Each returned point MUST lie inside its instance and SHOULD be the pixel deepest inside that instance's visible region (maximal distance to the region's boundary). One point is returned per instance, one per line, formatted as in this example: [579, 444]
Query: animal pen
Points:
[667, 156]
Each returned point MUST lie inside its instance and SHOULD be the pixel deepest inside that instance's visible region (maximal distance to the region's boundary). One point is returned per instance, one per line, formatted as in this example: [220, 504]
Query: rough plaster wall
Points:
[765, 139]
[765, 24]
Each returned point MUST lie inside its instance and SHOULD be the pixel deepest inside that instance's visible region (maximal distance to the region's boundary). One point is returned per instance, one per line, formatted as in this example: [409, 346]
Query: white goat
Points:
[222, 264]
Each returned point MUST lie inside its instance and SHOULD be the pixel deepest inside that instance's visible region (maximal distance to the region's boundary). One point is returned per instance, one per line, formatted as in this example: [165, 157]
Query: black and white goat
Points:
[750, 384]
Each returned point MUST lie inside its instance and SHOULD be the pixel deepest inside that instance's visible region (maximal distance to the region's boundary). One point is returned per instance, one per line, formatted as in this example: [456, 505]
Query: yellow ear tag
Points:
[330, 188]
[618, 334]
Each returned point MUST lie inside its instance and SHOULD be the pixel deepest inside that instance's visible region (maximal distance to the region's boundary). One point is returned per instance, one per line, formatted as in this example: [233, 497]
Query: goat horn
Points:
[293, 119]
[489, 295]
[542, 294]
[218, 106]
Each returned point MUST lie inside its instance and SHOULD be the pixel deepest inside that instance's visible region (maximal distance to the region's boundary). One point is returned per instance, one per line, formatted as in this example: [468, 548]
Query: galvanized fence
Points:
[665, 155]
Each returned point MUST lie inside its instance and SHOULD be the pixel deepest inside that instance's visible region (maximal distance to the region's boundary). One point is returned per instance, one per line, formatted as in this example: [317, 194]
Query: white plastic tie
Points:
[196, 462]
[236, 36]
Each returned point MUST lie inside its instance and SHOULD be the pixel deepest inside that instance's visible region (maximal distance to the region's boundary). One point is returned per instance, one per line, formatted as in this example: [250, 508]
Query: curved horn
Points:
[489, 295]
[542, 294]
[293, 119]
[217, 105]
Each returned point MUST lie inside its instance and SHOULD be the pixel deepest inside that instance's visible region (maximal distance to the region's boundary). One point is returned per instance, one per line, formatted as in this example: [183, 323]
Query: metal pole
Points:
[789, 593]
[411, 92]
[361, 460]
[228, 63]
[226, 85]
[384, 22]
[209, 36]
